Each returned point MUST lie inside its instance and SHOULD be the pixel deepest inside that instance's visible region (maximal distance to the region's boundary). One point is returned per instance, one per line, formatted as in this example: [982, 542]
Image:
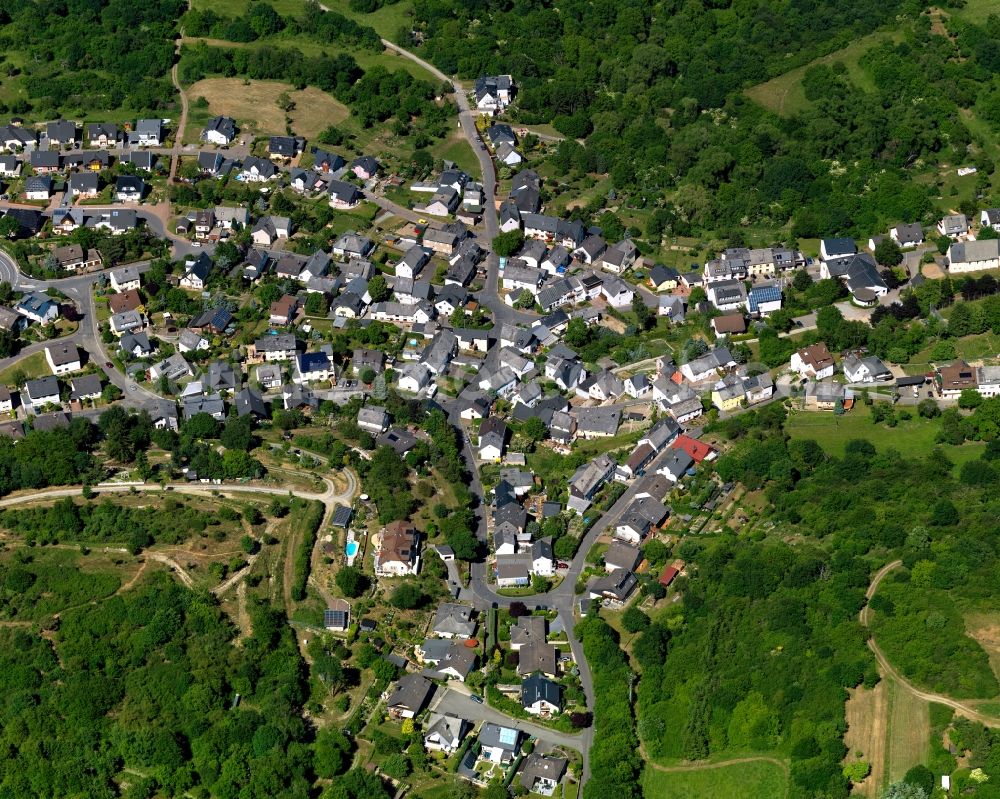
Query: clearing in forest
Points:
[866, 712]
[746, 779]
[254, 105]
[908, 734]
[784, 94]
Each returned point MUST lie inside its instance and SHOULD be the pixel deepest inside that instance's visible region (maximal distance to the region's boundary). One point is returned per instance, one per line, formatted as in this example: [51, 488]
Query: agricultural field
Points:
[740, 780]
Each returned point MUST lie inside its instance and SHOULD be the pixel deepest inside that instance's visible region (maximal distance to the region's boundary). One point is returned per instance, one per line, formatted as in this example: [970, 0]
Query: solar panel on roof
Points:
[508, 736]
[334, 618]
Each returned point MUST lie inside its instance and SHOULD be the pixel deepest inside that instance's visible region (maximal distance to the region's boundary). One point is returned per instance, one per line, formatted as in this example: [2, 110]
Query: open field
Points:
[866, 713]
[750, 780]
[908, 733]
[34, 365]
[254, 105]
[914, 438]
[784, 94]
[457, 148]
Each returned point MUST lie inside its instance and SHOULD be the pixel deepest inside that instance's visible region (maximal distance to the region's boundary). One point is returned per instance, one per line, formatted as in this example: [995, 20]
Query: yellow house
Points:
[663, 278]
[728, 393]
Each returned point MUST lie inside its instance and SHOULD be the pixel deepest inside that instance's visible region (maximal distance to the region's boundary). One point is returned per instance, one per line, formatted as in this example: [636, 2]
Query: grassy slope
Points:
[740, 781]
[784, 94]
[914, 438]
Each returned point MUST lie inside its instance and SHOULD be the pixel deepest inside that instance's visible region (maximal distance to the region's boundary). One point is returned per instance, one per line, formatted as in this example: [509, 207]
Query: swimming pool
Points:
[352, 548]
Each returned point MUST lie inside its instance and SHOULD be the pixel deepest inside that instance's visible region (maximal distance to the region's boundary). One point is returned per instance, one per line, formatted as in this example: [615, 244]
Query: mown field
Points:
[751, 780]
[915, 438]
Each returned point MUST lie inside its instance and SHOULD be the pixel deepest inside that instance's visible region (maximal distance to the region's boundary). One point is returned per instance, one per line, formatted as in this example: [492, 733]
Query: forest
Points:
[80, 56]
[140, 691]
[767, 640]
[655, 90]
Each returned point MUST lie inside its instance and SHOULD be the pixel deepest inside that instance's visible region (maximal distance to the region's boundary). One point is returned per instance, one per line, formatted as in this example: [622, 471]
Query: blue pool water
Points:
[352, 548]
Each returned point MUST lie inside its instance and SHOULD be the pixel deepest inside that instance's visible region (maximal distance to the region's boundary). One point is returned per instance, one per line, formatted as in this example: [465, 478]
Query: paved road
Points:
[450, 700]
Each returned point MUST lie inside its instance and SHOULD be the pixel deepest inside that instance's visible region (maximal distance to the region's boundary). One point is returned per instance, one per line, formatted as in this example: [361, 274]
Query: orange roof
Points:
[698, 450]
[670, 572]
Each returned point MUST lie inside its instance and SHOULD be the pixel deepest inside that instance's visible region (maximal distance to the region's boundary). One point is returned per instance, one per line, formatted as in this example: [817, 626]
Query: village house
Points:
[444, 733]
[814, 361]
[410, 696]
[219, 130]
[398, 553]
[63, 358]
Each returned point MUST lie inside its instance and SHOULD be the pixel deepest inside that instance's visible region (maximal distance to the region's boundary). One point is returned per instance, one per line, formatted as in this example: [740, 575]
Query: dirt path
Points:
[182, 575]
[132, 580]
[288, 571]
[888, 670]
[736, 761]
[175, 154]
[242, 617]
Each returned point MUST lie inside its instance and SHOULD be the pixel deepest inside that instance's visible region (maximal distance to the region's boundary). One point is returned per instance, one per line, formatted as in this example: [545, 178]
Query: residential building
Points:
[409, 697]
[972, 256]
[540, 696]
[499, 744]
[541, 774]
[41, 392]
[219, 130]
[444, 733]
[63, 358]
[814, 361]
[398, 553]
[125, 278]
[954, 226]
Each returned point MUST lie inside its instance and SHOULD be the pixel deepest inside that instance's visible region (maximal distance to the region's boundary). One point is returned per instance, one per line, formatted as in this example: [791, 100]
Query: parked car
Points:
[476, 698]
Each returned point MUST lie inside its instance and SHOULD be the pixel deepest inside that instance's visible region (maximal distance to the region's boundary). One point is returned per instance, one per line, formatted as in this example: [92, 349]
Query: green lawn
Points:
[457, 148]
[914, 438]
[753, 780]
[34, 365]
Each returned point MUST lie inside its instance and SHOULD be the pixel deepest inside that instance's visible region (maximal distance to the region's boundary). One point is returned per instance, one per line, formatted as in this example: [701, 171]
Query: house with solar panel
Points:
[498, 744]
[337, 617]
[764, 300]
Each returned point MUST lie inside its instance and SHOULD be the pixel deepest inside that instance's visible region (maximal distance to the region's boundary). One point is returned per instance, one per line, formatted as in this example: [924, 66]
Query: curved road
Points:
[888, 669]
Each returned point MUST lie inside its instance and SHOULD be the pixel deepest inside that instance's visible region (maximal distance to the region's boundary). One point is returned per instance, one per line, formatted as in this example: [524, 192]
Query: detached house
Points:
[908, 235]
[619, 257]
[196, 272]
[954, 226]
[492, 439]
[540, 696]
[63, 358]
[493, 92]
[147, 133]
[269, 229]
[343, 195]
[410, 696]
[101, 134]
[61, 133]
[84, 185]
[814, 361]
[398, 553]
[444, 733]
[219, 130]
[129, 189]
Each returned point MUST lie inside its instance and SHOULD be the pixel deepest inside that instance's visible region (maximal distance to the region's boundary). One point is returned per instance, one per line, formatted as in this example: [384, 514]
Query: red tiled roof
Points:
[698, 450]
